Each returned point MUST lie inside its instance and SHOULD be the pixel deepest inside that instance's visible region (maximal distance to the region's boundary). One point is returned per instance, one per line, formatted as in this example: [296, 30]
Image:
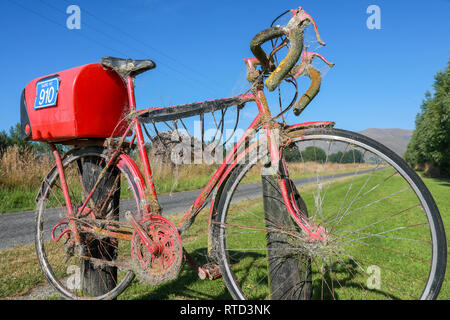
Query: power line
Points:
[132, 37]
[61, 26]
[121, 53]
[144, 44]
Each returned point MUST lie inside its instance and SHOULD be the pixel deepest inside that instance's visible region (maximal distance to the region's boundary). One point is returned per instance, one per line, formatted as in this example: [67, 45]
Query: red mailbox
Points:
[84, 102]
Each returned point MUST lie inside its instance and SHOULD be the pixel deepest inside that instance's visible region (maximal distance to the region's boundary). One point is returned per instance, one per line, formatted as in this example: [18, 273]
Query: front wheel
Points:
[385, 237]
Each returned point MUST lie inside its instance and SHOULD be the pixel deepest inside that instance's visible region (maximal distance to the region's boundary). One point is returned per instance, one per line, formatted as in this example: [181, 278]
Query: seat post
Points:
[153, 206]
[130, 89]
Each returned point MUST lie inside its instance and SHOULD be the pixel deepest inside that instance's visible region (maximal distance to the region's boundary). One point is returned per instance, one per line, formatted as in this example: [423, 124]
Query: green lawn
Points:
[390, 235]
[19, 270]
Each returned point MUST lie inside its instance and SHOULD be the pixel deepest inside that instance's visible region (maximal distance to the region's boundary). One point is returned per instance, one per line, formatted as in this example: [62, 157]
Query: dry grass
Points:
[19, 271]
[170, 178]
[22, 168]
[21, 173]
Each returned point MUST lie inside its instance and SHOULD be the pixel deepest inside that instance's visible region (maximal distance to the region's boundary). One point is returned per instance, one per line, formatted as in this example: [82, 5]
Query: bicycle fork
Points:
[278, 168]
[274, 134]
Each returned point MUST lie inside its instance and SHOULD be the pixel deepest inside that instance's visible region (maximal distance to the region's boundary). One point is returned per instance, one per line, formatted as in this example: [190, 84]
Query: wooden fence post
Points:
[96, 279]
[289, 269]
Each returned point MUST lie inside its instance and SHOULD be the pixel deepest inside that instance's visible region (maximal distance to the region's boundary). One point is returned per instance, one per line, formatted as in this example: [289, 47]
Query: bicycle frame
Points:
[263, 120]
[275, 136]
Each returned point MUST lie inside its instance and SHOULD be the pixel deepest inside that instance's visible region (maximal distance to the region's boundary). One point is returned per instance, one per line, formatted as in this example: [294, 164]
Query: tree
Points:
[292, 155]
[429, 147]
[314, 154]
[353, 156]
[350, 156]
[336, 157]
[14, 137]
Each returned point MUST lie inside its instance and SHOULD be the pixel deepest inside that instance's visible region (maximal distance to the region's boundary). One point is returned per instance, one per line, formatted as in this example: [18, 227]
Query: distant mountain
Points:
[395, 139]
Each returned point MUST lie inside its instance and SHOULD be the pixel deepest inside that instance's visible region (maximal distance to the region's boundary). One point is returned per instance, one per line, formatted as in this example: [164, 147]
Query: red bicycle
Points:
[304, 211]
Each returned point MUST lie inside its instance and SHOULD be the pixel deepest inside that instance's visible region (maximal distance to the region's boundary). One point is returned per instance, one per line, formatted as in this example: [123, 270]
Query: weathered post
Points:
[97, 279]
[289, 269]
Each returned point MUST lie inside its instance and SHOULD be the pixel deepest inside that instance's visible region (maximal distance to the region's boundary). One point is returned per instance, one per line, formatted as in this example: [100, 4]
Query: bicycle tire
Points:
[50, 253]
[341, 274]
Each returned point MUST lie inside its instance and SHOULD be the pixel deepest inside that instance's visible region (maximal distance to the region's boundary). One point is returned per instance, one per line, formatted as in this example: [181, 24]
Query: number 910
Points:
[46, 95]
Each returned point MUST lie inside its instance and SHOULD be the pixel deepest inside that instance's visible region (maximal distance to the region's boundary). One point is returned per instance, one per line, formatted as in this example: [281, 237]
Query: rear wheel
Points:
[385, 235]
[97, 267]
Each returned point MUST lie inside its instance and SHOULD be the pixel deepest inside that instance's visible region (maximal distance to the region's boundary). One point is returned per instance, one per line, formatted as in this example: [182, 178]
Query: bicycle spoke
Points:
[366, 206]
[382, 234]
[387, 218]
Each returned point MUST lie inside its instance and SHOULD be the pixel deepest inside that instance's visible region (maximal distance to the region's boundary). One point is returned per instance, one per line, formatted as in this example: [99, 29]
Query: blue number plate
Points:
[46, 92]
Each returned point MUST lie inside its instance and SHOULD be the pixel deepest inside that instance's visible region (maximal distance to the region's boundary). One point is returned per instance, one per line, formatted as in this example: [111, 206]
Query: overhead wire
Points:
[185, 75]
[158, 51]
[61, 26]
[204, 85]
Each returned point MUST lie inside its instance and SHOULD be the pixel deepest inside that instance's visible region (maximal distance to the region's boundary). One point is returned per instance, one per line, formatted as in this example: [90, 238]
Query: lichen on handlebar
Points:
[262, 37]
[295, 37]
[312, 91]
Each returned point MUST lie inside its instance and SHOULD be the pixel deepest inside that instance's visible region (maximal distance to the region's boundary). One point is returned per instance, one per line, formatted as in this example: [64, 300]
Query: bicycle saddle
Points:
[127, 67]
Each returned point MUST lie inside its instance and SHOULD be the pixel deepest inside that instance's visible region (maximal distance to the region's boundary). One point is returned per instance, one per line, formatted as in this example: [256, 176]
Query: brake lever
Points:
[252, 72]
[307, 59]
[305, 68]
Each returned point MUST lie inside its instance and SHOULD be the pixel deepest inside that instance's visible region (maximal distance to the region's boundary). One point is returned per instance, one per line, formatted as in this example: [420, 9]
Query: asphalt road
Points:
[18, 228]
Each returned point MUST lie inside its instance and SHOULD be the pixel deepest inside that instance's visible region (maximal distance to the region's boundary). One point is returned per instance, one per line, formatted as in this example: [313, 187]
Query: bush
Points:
[429, 146]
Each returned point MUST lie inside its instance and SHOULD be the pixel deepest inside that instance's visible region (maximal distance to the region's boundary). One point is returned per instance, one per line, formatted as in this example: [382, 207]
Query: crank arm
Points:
[141, 232]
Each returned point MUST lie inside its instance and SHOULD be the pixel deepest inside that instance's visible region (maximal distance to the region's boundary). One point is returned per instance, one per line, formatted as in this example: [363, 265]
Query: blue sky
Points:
[379, 80]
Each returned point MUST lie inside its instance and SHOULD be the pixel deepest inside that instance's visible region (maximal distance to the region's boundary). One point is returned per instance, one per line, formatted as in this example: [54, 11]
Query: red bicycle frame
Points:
[263, 120]
[147, 190]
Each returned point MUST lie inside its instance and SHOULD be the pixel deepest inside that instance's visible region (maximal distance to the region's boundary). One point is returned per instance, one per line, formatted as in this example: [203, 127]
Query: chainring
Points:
[163, 262]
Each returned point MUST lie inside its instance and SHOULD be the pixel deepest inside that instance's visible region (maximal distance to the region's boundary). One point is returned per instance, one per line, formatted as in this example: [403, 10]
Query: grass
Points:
[19, 270]
[187, 286]
[440, 189]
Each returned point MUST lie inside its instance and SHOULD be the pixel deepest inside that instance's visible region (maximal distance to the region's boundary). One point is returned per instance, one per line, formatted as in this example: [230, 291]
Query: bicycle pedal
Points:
[212, 270]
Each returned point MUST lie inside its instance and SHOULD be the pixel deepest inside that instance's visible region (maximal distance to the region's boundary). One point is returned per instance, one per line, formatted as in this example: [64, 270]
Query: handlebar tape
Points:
[312, 91]
[262, 37]
[295, 37]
